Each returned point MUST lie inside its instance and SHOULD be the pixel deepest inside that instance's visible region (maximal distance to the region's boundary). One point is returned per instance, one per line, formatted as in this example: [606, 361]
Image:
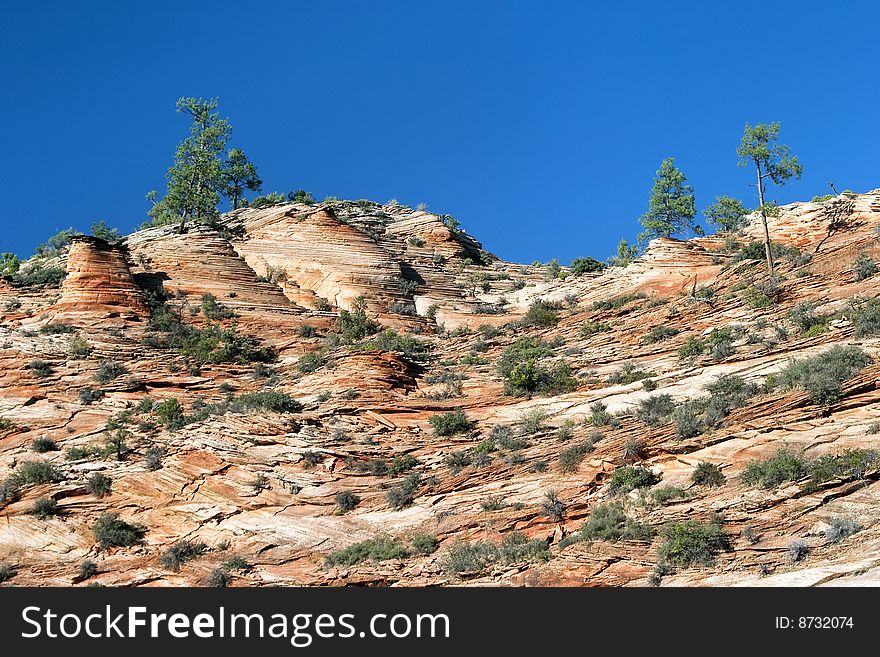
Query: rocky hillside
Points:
[347, 394]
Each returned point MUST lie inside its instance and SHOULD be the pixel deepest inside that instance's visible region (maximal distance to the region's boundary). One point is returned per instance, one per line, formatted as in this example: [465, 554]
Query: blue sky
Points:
[538, 125]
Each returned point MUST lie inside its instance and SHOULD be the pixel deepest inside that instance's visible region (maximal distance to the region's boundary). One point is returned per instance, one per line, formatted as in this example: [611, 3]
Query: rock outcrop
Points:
[99, 280]
[338, 445]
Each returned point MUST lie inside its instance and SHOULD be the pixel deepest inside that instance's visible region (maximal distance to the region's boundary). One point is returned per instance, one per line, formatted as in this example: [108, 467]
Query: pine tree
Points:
[196, 178]
[726, 213]
[671, 206]
[759, 146]
[239, 174]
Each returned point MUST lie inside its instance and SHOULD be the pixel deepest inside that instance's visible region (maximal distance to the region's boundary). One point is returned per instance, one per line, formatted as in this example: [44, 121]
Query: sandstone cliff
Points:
[208, 317]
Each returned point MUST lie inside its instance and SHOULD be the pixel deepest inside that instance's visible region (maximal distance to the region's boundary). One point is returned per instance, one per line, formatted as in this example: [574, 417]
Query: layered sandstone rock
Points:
[265, 482]
[99, 280]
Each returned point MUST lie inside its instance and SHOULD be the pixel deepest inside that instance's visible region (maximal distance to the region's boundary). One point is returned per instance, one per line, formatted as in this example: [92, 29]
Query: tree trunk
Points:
[768, 251]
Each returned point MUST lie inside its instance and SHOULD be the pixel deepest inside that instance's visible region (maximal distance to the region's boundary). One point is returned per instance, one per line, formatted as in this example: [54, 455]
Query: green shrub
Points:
[659, 334]
[458, 460]
[109, 370]
[212, 309]
[181, 552]
[354, 325]
[346, 500]
[592, 328]
[7, 572]
[609, 522]
[866, 318]
[542, 314]
[33, 473]
[311, 361]
[585, 265]
[864, 267]
[599, 415]
[44, 444]
[448, 424]
[628, 478]
[111, 531]
[804, 317]
[153, 458]
[466, 557]
[170, 414]
[475, 557]
[403, 495]
[377, 549]
[708, 474]
[90, 395]
[667, 494]
[39, 275]
[424, 544]
[840, 528]
[237, 564]
[786, 465]
[402, 464]
[655, 410]
[55, 329]
[756, 297]
[850, 464]
[267, 400]
[99, 484]
[692, 348]
[45, 507]
[553, 507]
[218, 579]
[797, 551]
[570, 458]
[87, 570]
[412, 348]
[40, 368]
[692, 542]
[821, 376]
[628, 373]
[531, 421]
[618, 302]
[687, 420]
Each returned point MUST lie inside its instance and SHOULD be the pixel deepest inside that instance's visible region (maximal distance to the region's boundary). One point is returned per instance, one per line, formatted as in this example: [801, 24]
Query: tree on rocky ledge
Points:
[671, 207]
[760, 147]
[199, 174]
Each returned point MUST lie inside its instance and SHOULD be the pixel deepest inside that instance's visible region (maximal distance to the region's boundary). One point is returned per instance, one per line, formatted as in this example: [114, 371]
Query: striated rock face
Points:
[260, 475]
[99, 280]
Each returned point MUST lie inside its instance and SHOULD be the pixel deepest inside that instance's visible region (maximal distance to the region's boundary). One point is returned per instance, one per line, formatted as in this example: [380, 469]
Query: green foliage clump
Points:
[655, 410]
[448, 424]
[786, 465]
[628, 478]
[378, 549]
[99, 484]
[464, 557]
[628, 373]
[864, 267]
[524, 374]
[40, 368]
[726, 214]
[45, 507]
[822, 376]
[585, 265]
[589, 329]
[411, 347]
[570, 458]
[609, 522]
[424, 543]
[55, 329]
[346, 500]
[265, 400]
[866, 318]
[33, 473]
[542, 314]
[659, 334]
[111, 531]
[109, 370]
[692, 348]
[403, 495]
[213, 309]
[181, 552]
[619, 302]
[708, 474]
[692, 542]
[805, 318]
[44, 444]
[354, 325]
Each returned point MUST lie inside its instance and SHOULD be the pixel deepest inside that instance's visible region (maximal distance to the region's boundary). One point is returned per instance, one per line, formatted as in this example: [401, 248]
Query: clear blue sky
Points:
[538, 125]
